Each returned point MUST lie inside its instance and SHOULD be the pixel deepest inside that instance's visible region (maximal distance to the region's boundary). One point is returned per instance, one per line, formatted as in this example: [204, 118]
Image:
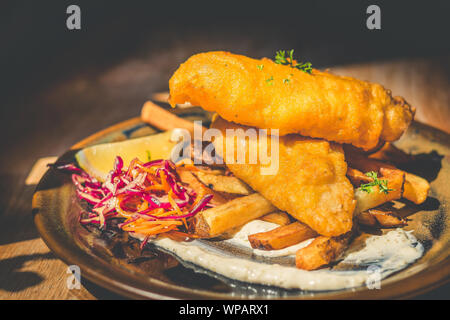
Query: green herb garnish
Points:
[382, 184]
[288, 80]
[281, 58]
[269, 81]
[149, 155]
[260, 66]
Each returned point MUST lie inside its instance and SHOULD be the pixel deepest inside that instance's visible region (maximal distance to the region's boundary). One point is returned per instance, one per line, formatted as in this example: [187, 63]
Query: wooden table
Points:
[70, 110]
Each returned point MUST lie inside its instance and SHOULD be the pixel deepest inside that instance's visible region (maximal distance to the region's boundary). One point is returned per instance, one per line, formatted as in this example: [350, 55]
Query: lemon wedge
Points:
[98, 160]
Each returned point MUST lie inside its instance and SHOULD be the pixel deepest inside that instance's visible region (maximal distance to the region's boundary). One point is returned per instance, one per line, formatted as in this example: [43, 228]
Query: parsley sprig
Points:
[269, 81]
[382, 184]
[281, 58]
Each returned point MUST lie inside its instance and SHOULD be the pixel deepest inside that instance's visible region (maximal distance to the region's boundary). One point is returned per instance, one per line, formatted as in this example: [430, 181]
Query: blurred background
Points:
[59, 86]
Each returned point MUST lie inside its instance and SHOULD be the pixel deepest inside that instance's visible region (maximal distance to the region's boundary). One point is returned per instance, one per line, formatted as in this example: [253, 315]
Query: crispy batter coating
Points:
[310, 183]
[264, 94]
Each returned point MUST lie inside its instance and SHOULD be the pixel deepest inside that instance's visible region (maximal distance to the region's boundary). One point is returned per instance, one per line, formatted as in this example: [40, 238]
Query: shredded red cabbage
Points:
[149, 191]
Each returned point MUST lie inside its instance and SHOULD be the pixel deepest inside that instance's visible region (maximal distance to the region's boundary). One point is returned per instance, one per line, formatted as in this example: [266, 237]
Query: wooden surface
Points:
[28, 270]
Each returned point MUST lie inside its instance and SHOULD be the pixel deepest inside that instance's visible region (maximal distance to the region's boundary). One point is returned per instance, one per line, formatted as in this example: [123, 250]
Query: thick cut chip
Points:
[310, 183]
[264, 94]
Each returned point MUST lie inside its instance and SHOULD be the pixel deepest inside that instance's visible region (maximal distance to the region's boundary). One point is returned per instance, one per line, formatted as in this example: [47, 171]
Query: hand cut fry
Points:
[163, 119]
[416, 188]
[322, 251]
[281, 237]
[381, 218]
[357, 177]
[281, 218]
[223, 183]
[188, 178]
[373, 218]
[215, 221]
[278, 217]
[367, 200]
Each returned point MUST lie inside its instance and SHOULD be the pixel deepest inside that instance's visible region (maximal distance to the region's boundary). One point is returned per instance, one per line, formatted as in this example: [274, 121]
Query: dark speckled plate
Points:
[114, 261]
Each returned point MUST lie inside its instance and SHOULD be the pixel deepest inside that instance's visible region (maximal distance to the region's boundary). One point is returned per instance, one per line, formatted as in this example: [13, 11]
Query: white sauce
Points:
[255, 226]
[390, 252]
[394, 250]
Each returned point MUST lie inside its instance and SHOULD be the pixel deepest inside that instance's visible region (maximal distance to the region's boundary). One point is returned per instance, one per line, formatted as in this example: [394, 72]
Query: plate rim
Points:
[431, 277]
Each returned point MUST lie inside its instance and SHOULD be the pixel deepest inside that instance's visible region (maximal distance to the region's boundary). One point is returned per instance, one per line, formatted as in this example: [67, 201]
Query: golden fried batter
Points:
[310, 183]
[264, 94]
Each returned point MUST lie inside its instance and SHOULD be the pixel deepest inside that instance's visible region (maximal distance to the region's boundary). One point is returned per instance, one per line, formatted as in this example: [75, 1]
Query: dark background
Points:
[36, 43]
[58, 86]
[38, 52]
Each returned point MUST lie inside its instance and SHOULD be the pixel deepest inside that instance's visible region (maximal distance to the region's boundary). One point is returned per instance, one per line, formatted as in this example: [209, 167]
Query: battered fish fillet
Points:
[310, 183]
[264, 94]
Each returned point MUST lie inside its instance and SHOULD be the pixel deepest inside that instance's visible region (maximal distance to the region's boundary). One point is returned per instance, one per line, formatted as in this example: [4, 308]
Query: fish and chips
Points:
[333, 156]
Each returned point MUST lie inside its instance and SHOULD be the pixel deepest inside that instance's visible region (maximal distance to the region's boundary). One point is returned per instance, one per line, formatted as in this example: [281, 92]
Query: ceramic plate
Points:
[113, 261]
